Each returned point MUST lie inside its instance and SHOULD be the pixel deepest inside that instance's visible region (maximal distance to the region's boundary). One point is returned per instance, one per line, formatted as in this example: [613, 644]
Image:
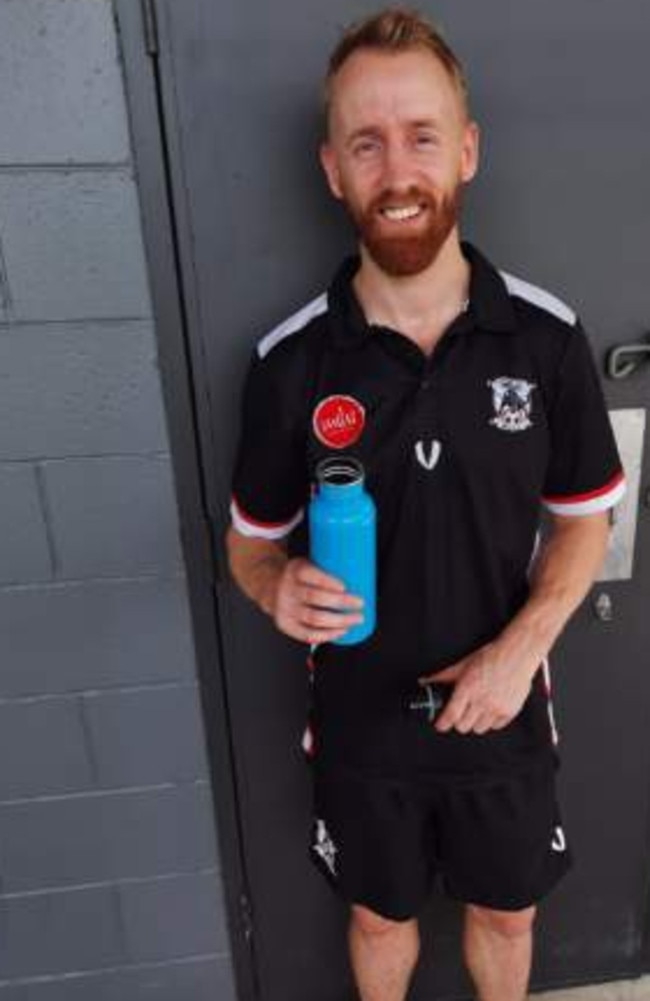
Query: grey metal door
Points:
[562, 93]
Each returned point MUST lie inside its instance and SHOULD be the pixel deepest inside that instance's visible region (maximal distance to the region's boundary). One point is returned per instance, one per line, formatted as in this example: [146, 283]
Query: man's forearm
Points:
[568, 563]
[256, 565]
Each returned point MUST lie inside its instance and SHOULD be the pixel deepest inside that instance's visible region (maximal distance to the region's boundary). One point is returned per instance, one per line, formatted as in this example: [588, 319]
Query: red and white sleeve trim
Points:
[589, 503]
[247, 526]
[262, 529]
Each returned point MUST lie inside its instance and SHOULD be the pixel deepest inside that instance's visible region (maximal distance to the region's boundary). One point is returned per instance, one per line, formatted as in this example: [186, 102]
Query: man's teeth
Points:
[397, 214]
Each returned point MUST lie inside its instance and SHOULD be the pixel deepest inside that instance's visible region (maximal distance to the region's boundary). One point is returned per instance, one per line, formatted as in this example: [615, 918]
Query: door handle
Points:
[625, 359]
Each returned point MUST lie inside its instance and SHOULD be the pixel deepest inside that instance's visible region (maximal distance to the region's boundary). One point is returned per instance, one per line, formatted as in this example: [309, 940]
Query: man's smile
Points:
[402, 213]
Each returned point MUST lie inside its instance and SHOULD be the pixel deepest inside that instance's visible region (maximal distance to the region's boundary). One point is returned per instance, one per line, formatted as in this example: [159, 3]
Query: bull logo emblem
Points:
[512, 403]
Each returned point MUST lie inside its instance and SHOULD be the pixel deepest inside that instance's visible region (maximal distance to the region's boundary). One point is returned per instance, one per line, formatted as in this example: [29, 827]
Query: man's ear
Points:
[470, 153]
[329, 163]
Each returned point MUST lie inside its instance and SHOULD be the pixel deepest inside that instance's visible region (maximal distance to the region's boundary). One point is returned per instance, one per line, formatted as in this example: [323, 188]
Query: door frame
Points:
[203, 552]
[187, 406]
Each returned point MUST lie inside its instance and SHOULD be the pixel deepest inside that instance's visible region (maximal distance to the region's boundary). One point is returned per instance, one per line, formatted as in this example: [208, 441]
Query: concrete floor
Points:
[622, 990]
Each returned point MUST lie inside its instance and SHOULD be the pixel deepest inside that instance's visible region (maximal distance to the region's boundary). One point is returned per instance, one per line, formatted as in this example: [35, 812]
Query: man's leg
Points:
[498, 948]
[383, 954]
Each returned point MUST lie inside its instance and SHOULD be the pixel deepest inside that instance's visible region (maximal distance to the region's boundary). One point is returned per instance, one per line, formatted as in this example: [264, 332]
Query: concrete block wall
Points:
[109, 873]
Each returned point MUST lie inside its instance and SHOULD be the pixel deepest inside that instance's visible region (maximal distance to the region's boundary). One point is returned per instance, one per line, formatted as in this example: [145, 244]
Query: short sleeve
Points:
[269, 483]
[585, 473]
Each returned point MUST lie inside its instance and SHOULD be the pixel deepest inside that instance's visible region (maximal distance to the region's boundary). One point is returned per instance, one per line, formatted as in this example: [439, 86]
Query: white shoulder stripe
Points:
[293, 324]
[540, 297]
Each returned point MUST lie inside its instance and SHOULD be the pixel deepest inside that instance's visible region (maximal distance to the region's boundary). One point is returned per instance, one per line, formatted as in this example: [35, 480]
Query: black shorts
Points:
[382, 842]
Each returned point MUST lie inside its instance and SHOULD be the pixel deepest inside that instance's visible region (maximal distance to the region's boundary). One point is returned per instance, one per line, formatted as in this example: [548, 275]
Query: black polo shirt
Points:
[462, 449]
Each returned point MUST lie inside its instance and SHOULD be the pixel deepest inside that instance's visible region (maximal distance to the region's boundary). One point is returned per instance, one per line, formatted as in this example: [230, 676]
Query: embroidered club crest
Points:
[338, 421]
[512, 403]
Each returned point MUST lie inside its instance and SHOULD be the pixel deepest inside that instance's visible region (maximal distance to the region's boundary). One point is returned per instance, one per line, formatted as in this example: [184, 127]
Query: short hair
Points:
[396, 29]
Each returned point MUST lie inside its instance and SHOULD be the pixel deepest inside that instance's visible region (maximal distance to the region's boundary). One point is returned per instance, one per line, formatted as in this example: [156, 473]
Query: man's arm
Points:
[568, 564]
[493, 682]
[294, 592]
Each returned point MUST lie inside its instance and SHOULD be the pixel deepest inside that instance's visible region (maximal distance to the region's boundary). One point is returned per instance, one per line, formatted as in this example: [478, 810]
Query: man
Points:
[471, 399]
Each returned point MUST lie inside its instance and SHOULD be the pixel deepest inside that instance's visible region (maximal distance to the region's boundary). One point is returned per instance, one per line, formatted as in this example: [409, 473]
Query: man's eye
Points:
[366, 147]
[426, 140]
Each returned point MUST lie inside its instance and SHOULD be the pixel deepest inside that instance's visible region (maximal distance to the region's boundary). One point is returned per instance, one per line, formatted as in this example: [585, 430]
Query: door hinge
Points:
[150, 26]
[246, 916]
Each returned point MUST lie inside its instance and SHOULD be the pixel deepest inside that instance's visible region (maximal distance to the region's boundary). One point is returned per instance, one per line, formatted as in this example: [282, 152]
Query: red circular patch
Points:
[338, 421]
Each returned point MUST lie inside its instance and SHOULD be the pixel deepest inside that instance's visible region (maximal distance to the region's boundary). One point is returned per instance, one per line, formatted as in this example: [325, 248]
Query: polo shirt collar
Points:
[490, 305]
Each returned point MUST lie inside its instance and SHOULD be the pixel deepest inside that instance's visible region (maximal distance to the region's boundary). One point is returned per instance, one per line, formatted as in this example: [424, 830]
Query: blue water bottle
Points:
[343, 536]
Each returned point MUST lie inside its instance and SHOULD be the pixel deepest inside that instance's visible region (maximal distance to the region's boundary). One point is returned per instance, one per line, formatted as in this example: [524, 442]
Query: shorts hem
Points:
[493, 902]
[350, 898]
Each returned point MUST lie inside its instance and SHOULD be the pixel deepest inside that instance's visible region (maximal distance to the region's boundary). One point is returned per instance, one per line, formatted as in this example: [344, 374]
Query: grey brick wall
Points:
[109, 873]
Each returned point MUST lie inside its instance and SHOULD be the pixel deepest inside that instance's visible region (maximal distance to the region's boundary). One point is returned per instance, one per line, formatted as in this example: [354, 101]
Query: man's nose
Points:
[398, 169]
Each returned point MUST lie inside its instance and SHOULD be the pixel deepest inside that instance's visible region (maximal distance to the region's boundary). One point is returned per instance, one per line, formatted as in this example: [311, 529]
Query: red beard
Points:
[410, 253]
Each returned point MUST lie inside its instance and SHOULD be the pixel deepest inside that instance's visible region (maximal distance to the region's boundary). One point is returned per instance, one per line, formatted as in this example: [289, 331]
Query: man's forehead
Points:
[375, 85]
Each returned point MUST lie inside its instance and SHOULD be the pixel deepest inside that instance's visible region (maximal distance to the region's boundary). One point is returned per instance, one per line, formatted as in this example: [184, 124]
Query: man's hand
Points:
[300, 601]
[492, 683]
[297, 595]
[490, 689]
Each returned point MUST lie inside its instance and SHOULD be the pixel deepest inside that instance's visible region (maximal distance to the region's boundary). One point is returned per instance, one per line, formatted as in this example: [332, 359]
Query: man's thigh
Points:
[371, 840]
[503, 846]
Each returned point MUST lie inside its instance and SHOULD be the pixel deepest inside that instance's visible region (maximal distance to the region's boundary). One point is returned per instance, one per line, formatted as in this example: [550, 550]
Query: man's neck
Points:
[419, 306]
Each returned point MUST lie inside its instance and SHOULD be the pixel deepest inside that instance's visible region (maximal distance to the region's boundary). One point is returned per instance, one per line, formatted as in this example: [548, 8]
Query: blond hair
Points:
[396, 29]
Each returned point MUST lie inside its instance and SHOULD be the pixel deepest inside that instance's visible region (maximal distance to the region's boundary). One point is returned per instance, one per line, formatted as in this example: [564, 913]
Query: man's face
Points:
[400, 149]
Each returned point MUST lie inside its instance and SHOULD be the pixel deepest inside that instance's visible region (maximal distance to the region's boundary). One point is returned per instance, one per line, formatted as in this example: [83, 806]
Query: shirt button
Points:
[425, 383]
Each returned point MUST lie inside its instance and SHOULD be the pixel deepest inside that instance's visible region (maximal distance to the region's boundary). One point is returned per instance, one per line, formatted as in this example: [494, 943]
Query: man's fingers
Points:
[318, 597]
[312, 635]
[333, 620]
[468, 719]
[465, 718]
[484, 723]
[449, 674]
[309, 573]
[453, 712]
[500, 721]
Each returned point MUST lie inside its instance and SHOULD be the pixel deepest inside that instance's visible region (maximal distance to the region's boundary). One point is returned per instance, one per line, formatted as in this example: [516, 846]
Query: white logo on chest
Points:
[511, 399]
[428, 461]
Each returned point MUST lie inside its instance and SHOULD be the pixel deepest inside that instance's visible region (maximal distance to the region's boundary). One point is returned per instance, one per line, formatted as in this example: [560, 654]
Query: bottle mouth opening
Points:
[339, 472]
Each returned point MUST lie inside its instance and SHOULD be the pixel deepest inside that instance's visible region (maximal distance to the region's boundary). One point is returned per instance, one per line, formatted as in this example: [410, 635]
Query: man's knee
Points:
[506, 924]
[374, 925]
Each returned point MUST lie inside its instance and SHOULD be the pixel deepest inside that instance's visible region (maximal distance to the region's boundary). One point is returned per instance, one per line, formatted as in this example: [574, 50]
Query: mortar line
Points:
[48, 978]
[154, 453]
[89, 741]
[109, 791]
[78, 166]
[118, 689]
[41, 489]
[5, 291]
[104, 884]
[14, 323]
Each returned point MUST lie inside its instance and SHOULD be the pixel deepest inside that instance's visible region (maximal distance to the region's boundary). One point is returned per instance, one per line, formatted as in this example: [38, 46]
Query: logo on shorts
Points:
[511, 399]
[338, 421]
[558, 842]
[325, 847]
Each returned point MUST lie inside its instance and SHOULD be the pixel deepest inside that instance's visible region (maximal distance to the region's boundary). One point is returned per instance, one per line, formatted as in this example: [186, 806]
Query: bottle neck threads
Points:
[340, 479]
